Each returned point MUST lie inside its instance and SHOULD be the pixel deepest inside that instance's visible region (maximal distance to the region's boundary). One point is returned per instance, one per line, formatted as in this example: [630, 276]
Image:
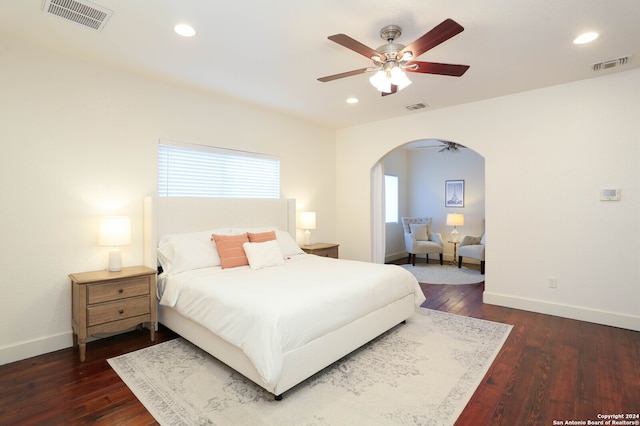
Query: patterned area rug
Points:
[420, 373]
[446, 274]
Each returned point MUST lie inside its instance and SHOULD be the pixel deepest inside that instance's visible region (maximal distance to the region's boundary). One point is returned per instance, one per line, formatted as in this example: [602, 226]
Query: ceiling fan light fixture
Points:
[385, 78]
[380, 81]
[399, 78]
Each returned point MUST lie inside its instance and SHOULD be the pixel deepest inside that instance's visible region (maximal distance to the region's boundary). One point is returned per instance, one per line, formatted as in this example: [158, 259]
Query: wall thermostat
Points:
[610, 194]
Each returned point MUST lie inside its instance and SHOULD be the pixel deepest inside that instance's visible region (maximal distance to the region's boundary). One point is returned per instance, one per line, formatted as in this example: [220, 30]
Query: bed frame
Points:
[173, 215]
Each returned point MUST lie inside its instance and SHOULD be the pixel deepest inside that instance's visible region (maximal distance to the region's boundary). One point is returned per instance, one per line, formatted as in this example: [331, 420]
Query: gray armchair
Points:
[472, 247]
[419, 239]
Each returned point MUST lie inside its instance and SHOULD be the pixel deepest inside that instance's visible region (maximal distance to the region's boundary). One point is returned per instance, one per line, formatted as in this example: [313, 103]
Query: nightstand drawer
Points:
[118, 310]
[327, 252]
[97, 293]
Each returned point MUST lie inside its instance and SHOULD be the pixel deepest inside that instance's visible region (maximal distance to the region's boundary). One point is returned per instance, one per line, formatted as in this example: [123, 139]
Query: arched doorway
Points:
[423, 167]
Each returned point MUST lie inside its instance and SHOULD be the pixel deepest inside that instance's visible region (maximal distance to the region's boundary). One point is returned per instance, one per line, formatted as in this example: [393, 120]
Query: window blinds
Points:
[186, 170]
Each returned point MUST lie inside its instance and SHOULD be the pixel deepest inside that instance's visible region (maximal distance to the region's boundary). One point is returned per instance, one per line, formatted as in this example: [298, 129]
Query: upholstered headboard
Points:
[170, 215]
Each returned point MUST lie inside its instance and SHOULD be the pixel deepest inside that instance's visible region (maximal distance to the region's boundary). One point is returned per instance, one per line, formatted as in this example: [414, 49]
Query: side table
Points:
[107, 302]
[455, 252]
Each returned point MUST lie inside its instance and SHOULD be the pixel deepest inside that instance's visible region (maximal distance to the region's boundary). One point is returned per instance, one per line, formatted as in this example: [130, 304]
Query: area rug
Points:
[420, 373]
[444, 274]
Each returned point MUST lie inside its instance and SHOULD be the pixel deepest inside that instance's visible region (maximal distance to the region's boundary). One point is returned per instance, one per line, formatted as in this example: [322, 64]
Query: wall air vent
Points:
[611, 63]
[79, 11]
[414, 107]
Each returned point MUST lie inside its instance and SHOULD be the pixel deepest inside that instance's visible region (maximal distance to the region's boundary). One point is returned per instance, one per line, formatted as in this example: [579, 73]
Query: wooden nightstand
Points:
[106, 302]
[322, 249]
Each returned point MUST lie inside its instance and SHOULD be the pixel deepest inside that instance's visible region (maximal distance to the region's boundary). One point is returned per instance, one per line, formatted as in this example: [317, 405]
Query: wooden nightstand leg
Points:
[152, 330]
[83, 349]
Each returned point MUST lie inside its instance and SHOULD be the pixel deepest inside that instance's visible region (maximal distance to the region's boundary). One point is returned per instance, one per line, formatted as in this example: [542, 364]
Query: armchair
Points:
[419, 239]
[472, 247]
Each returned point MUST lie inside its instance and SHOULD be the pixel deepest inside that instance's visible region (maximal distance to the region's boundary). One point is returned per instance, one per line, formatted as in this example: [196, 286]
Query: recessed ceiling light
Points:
[352, 101]
[585, 38]
[184, 30]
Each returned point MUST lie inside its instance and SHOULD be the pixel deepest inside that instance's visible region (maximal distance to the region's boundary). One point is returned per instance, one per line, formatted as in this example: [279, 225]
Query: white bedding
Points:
[268, 312]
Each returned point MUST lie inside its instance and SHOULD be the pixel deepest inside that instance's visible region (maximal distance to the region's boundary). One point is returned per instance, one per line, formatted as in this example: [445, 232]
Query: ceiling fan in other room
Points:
[445, 146]
[391, 60]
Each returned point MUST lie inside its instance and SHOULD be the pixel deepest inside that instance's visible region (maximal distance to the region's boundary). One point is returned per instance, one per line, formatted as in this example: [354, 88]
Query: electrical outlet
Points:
[553, 282]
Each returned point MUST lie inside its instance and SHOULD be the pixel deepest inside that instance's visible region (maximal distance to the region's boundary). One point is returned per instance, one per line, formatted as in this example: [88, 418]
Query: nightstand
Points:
[322, 249]
[107, 302]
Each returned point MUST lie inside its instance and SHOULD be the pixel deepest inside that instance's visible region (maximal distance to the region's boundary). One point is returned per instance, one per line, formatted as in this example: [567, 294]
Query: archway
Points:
[423, 167]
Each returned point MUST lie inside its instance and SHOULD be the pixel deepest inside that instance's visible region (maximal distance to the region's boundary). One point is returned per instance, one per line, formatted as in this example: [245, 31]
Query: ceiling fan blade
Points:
[343, 75]
[394, 89]
[437, 68]
[356, 46]
[439, 34]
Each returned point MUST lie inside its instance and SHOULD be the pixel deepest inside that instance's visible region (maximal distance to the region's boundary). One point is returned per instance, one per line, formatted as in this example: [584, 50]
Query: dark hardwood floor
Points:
[550, 368]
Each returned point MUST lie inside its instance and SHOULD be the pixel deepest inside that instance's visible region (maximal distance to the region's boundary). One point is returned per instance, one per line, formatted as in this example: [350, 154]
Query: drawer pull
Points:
[121, 291]
[121, 311]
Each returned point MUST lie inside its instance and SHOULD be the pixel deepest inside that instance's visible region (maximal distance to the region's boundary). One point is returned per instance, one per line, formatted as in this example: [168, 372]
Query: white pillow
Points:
[288, 245]
[184, 252]
[420, 231]
[263, 255]
[482, 241]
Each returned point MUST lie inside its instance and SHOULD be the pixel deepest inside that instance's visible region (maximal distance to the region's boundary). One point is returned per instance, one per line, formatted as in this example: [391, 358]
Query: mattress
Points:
[268, 312]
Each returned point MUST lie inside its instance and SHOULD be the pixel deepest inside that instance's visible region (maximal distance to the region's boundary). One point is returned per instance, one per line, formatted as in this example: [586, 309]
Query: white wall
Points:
[547, 154]
[396, 164]
[428, 170]
[79, 141]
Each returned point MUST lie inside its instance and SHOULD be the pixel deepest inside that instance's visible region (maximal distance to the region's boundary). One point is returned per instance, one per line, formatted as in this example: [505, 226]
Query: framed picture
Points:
[454, 193]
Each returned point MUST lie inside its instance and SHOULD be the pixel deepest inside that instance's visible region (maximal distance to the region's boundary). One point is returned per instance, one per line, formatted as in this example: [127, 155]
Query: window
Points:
[186, 170]
[391, 198]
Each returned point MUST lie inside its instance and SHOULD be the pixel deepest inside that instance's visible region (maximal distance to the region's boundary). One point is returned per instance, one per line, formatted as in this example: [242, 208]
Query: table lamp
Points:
[307, 222]
[115, 231]
[455, 220]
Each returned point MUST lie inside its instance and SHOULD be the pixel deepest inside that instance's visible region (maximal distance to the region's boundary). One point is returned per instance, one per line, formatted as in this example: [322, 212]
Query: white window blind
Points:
[186, 170]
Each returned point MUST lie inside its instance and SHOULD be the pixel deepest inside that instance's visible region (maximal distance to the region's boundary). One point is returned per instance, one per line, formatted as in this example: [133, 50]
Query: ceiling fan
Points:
[445, 146]
[392, 59]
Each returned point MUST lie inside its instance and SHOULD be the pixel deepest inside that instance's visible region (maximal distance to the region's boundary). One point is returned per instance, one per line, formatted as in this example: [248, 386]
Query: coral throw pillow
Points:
[230, 249]
[262, 237]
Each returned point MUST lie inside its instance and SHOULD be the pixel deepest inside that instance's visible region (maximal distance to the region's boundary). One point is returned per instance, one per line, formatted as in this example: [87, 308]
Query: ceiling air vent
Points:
[414, 107]
[611, 63]
[81, 12]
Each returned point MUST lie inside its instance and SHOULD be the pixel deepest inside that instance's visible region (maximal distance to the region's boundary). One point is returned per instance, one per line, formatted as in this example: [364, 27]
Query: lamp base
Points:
[307, 237]
[115, 260]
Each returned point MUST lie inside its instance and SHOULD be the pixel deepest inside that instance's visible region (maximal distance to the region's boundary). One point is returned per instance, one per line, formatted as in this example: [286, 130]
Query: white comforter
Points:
[270, 311]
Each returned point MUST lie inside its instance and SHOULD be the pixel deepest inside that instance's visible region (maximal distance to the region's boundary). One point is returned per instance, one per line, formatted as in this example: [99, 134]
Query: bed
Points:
[283, 317]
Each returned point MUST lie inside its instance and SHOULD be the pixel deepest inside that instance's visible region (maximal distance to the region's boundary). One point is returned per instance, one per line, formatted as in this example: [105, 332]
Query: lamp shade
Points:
[380, 81]
[399, 78]
[115, 231]
[455, 219]
[307, 220]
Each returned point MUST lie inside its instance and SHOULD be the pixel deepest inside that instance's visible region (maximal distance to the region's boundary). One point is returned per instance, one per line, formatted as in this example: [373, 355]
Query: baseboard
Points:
[30, 348]
[395, 256]
[613, 319]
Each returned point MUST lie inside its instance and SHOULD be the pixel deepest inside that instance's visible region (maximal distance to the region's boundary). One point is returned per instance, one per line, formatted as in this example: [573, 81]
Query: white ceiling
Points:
[271, 52]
